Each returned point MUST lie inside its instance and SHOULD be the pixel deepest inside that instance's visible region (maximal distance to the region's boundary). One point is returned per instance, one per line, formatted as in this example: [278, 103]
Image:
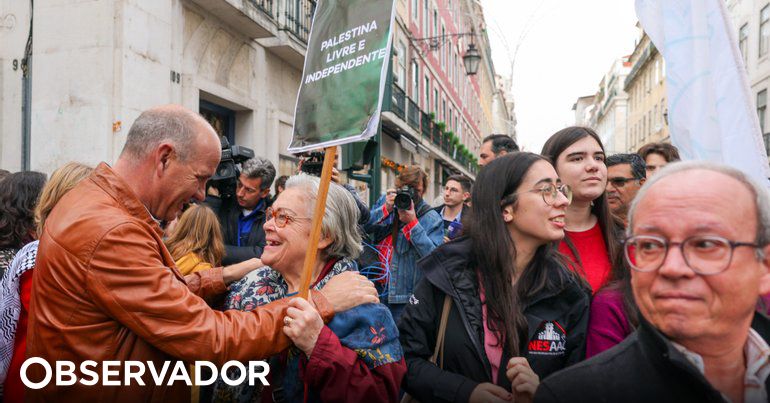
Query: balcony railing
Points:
[265, 5]
[408, 110]
[426, 122]
[413, 115]
[399, 102]
[295, 16]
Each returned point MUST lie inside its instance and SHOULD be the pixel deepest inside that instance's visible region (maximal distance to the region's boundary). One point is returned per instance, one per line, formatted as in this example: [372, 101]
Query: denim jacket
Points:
[425, 236]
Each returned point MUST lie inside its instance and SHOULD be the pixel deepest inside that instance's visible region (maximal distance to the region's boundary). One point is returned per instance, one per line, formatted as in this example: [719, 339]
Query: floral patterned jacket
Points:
[357, 357]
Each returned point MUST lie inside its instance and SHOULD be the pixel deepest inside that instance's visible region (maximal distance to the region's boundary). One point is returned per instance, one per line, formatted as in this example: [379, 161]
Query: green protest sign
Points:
[346, 66]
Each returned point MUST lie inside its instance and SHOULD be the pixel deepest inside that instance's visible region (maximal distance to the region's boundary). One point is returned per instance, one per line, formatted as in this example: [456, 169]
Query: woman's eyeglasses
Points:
[281, 217]
[549, 192]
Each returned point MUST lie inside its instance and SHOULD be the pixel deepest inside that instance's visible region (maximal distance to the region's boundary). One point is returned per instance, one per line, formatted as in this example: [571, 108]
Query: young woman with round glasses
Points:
[515, 312]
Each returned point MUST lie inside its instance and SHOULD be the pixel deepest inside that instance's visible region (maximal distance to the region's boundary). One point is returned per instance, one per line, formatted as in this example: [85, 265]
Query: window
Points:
[455, 68]
[657, 71]
[443, 111]
[427, 94]
[764, 30]
[762, 108]
[451, 68]
[743, 42]
[220, 118]
[443, 50]
[415, 9]
[435, 102]
[647, 81]
[435, 22]
[425, 17]
[401, 66]
[415, 73]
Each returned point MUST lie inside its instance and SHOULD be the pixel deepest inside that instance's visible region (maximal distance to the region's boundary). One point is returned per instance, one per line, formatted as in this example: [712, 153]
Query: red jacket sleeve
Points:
[338, 375]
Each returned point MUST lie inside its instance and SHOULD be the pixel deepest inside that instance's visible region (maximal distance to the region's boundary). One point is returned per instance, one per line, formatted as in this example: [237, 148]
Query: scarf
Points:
[369, 330]
[10, 303]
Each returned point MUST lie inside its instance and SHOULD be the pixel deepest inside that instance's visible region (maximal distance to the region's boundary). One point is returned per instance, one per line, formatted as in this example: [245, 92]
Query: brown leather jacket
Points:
[106, 288]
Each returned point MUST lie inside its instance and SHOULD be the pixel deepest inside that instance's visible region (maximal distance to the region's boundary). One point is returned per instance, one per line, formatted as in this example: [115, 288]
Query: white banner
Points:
[710, 109]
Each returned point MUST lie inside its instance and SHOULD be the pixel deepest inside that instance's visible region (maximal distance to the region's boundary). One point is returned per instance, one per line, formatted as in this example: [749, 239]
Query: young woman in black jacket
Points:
[517, 313]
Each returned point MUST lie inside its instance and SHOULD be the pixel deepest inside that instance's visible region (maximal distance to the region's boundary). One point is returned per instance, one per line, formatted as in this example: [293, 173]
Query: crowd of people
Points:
[569, 275]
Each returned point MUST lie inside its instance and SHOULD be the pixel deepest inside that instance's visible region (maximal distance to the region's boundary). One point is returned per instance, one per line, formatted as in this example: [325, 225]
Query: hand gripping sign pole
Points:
[342, 89]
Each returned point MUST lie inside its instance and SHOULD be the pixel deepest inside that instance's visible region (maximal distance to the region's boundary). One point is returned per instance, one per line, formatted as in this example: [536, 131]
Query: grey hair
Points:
[175, 124]
[340, 222]
[760, 192]
[259, 167]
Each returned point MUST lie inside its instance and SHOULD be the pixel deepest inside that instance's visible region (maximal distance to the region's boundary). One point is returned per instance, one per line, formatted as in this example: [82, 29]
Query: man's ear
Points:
[466, 196]
[764, 280]
[164, 154]
[264, 192]
[642, 180]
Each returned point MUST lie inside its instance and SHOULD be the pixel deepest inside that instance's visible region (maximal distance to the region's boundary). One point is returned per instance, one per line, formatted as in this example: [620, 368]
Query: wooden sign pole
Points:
[318, 215]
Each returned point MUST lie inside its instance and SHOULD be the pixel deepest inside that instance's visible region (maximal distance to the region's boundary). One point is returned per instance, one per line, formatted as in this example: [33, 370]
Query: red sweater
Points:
[13, 387]
[593, 254]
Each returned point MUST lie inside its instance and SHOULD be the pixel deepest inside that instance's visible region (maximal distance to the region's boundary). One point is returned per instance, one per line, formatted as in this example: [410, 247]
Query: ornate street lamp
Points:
[471, 60]
[472, 56]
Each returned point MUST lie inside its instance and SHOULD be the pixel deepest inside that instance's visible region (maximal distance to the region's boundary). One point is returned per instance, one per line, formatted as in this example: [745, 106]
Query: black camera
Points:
[225, 178]
[313, 163]
[404, 197]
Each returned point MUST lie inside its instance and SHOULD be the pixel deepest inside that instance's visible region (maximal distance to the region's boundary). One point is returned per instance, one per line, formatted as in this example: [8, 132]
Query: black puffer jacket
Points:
[556, 336]
[645, 367]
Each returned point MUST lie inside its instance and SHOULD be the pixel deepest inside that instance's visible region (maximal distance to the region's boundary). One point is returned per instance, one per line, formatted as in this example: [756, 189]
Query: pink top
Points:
[607, 322]
[492, 347]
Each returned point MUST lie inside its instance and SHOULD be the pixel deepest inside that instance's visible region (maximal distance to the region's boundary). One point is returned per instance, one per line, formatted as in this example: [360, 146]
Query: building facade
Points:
[92, 67]
[504, 108]
[611, 108]
[96, 65]
[584, 107]
[437, 115]
[646, 89]
[751, 19]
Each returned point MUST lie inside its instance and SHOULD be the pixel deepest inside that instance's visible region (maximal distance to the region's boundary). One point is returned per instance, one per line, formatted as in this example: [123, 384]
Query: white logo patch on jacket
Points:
[550, 339]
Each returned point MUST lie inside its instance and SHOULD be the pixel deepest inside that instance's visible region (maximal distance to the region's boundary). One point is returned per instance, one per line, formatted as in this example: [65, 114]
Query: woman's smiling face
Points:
[286, 246]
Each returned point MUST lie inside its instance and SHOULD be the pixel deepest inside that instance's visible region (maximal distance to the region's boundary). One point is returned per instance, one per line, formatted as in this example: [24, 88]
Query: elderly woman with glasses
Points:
[514, 312]
[356, 356]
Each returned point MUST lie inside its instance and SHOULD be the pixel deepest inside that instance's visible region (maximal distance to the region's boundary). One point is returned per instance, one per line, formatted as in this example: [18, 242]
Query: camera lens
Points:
[403, 201]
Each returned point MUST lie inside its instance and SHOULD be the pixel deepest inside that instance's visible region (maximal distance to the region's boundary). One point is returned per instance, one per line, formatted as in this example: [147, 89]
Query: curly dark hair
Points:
[18, 196]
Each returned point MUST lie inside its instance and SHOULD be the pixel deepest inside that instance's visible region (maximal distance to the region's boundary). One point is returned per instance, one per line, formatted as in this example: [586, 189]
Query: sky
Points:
[564, 49]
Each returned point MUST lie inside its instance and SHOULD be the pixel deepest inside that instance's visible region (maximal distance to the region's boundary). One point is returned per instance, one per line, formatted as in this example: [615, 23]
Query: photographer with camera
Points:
[405, 228]
[242, 214]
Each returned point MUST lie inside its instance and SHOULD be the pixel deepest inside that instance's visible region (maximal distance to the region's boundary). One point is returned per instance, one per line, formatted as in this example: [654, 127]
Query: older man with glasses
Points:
[698, 250]
[625, 176]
